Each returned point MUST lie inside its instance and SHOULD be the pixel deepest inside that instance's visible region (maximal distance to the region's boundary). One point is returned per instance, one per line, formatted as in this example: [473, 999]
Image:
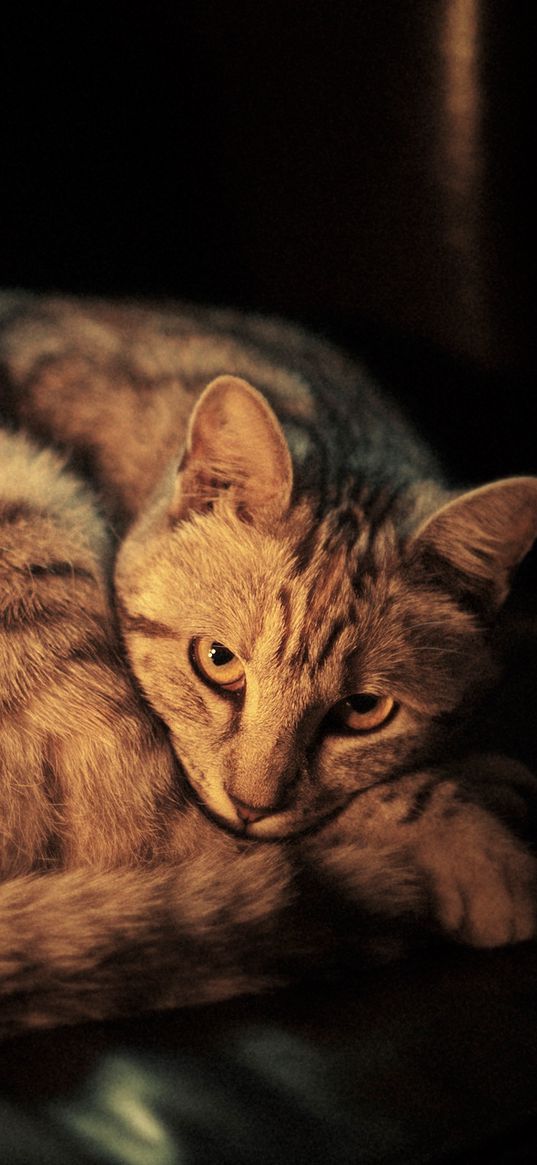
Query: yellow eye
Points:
[216, 663]
[364, 712]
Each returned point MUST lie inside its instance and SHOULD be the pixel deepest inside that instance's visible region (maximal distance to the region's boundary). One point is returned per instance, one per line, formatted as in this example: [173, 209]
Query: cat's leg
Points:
[438, 843]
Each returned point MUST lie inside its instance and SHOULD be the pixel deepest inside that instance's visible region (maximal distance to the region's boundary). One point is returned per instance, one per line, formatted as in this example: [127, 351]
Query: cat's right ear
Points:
[234, 444]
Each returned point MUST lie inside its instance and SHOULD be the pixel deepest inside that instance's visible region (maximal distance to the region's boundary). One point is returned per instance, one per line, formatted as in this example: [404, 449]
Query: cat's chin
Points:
[273, 828]
[263, 830]
[280, 828]
[253, 830]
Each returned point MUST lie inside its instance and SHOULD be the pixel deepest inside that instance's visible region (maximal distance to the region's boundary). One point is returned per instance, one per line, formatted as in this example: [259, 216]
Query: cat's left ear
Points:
[483, 534]
[235, 444]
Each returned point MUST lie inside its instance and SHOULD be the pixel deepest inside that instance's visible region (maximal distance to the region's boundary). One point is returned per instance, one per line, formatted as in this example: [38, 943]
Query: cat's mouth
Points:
[274, 827]
[238, 827]
[265, 830]
[220, 809]
[229, 818]
[271, 829]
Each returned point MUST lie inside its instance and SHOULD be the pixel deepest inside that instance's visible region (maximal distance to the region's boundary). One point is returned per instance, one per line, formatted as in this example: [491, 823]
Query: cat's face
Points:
[288, 690]
[298, 662]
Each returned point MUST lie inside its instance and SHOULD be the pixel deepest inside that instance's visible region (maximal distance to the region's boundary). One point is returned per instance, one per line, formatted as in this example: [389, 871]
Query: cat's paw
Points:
[483, 881]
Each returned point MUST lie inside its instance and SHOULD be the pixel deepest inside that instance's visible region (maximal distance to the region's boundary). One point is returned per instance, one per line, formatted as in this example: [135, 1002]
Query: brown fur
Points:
[69, 709]
[91, 794]
[319, 544]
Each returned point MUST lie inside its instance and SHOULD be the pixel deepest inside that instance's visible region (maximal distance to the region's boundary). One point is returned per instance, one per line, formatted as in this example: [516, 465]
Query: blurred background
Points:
[359, 166]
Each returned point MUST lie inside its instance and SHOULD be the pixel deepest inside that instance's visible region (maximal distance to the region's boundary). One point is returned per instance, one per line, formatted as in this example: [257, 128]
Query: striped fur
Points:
[69, 711]
[303, 525]
[145, 901]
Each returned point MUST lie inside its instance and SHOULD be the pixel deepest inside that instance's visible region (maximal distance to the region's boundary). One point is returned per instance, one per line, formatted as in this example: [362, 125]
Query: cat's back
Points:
[115, 383]
[54, 546]
[82, 764]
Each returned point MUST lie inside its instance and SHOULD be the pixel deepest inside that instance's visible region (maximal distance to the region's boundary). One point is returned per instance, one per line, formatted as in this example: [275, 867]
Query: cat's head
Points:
[301, 654]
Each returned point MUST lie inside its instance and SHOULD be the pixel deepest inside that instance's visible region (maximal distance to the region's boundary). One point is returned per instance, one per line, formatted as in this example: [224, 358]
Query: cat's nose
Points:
[251, 812]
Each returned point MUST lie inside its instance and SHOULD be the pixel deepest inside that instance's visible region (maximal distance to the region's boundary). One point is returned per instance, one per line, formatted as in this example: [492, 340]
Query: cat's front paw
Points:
[483, 881]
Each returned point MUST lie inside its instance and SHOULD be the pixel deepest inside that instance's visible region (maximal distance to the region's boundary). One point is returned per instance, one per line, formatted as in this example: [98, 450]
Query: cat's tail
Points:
[87, 945]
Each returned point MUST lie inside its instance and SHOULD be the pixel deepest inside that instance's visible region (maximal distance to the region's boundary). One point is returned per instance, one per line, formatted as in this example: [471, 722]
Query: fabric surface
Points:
[429, 1060]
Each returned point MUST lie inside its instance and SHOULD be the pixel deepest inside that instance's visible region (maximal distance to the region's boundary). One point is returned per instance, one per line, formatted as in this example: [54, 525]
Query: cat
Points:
[305, 604]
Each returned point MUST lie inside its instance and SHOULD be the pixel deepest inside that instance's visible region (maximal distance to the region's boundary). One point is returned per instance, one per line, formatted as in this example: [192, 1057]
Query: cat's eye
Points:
[215, 662]
[364, 712]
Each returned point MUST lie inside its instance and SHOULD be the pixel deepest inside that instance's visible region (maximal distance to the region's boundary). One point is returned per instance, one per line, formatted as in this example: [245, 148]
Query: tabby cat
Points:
[306, 607]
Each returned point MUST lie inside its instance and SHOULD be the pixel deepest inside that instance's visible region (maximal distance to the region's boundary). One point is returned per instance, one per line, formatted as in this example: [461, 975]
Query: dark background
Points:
[359, 166]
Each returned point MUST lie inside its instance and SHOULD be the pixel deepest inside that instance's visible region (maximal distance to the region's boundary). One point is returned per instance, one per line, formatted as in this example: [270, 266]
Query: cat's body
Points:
[114, 384]
[145, 902]
[69, 709]
[305, 605]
